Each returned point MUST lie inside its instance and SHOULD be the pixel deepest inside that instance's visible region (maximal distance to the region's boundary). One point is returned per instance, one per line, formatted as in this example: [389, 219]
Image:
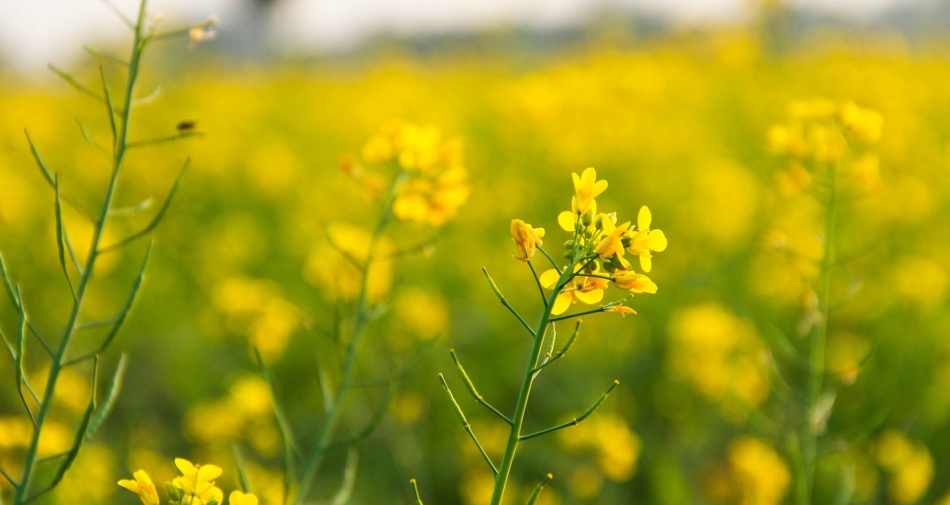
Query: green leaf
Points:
[80, 436]
[133, 293]
[109, 105]
[343, 495]
[115, 386]
[60, 242]
[74, 83]
[241, 468]
[9, 284]
[39, 160]
[155, 220]
[105, 57]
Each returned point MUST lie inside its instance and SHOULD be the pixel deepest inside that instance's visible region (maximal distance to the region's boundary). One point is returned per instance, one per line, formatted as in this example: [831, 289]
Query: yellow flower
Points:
[589, 290]
[634, 282]
[239, 498]
[197, 482]
[646, 240]
[142, 486]
[586, 188]
[762, 477]
[865, 125]
[419, 146]
[526, 238]
[611, 244]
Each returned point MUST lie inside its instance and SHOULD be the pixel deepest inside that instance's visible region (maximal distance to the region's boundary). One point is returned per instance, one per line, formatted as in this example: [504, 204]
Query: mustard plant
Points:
[38, 474]
[597, 254]
[414, 175]
[195, 486]
[825, 146]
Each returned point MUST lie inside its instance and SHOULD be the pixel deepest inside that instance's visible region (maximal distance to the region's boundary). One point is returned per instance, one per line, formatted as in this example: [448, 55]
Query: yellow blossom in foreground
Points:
[611, 244]
[239, 498]
[646, 240]
[634, 282]
[526, 238]
[586, 188]
[589, 290]
[142, 486]
[197, 482]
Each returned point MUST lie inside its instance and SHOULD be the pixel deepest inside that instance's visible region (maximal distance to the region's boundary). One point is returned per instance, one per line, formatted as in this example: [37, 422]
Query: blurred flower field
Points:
[700, 128]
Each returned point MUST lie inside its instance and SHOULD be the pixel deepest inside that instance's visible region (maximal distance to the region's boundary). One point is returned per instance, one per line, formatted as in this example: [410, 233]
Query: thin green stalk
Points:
[466, 425]
[323, 442]
[21, 495]
[816, 349]
[538, 488]
[575, 421]
[415, 491]
[514, 435]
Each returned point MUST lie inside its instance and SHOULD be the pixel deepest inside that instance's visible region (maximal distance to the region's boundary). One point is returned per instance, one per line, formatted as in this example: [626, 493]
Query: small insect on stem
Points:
[185, 126]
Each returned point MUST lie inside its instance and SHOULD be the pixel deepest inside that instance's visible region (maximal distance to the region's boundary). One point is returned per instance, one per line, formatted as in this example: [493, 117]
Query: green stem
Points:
[514, 435]
[325, 435]
[21, 495]
[816, 350]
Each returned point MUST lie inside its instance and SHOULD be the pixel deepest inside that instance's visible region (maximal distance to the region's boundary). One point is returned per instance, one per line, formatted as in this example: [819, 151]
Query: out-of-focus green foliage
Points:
[679, 125]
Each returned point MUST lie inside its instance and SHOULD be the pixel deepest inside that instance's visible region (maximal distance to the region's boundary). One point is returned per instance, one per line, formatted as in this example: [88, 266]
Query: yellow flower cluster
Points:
[433, 176]
[825, 132]
[245, 413]
[910, 465]
[597, 250]
[720, 354]
[760, 475]
[195, 486]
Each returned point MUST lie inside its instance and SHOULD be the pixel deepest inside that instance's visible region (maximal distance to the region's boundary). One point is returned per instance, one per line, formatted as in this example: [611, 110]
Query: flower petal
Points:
[646, 262]
[561, 304]
[549, 278]
[131, 485]
[644, 218]
[184, 466]
[209, 472]
[590, 297]
[656, 240]
[566, 220]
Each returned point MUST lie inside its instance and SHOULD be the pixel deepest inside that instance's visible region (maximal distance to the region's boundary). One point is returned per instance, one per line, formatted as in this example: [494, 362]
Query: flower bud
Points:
[569, 244]
[588, 217]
